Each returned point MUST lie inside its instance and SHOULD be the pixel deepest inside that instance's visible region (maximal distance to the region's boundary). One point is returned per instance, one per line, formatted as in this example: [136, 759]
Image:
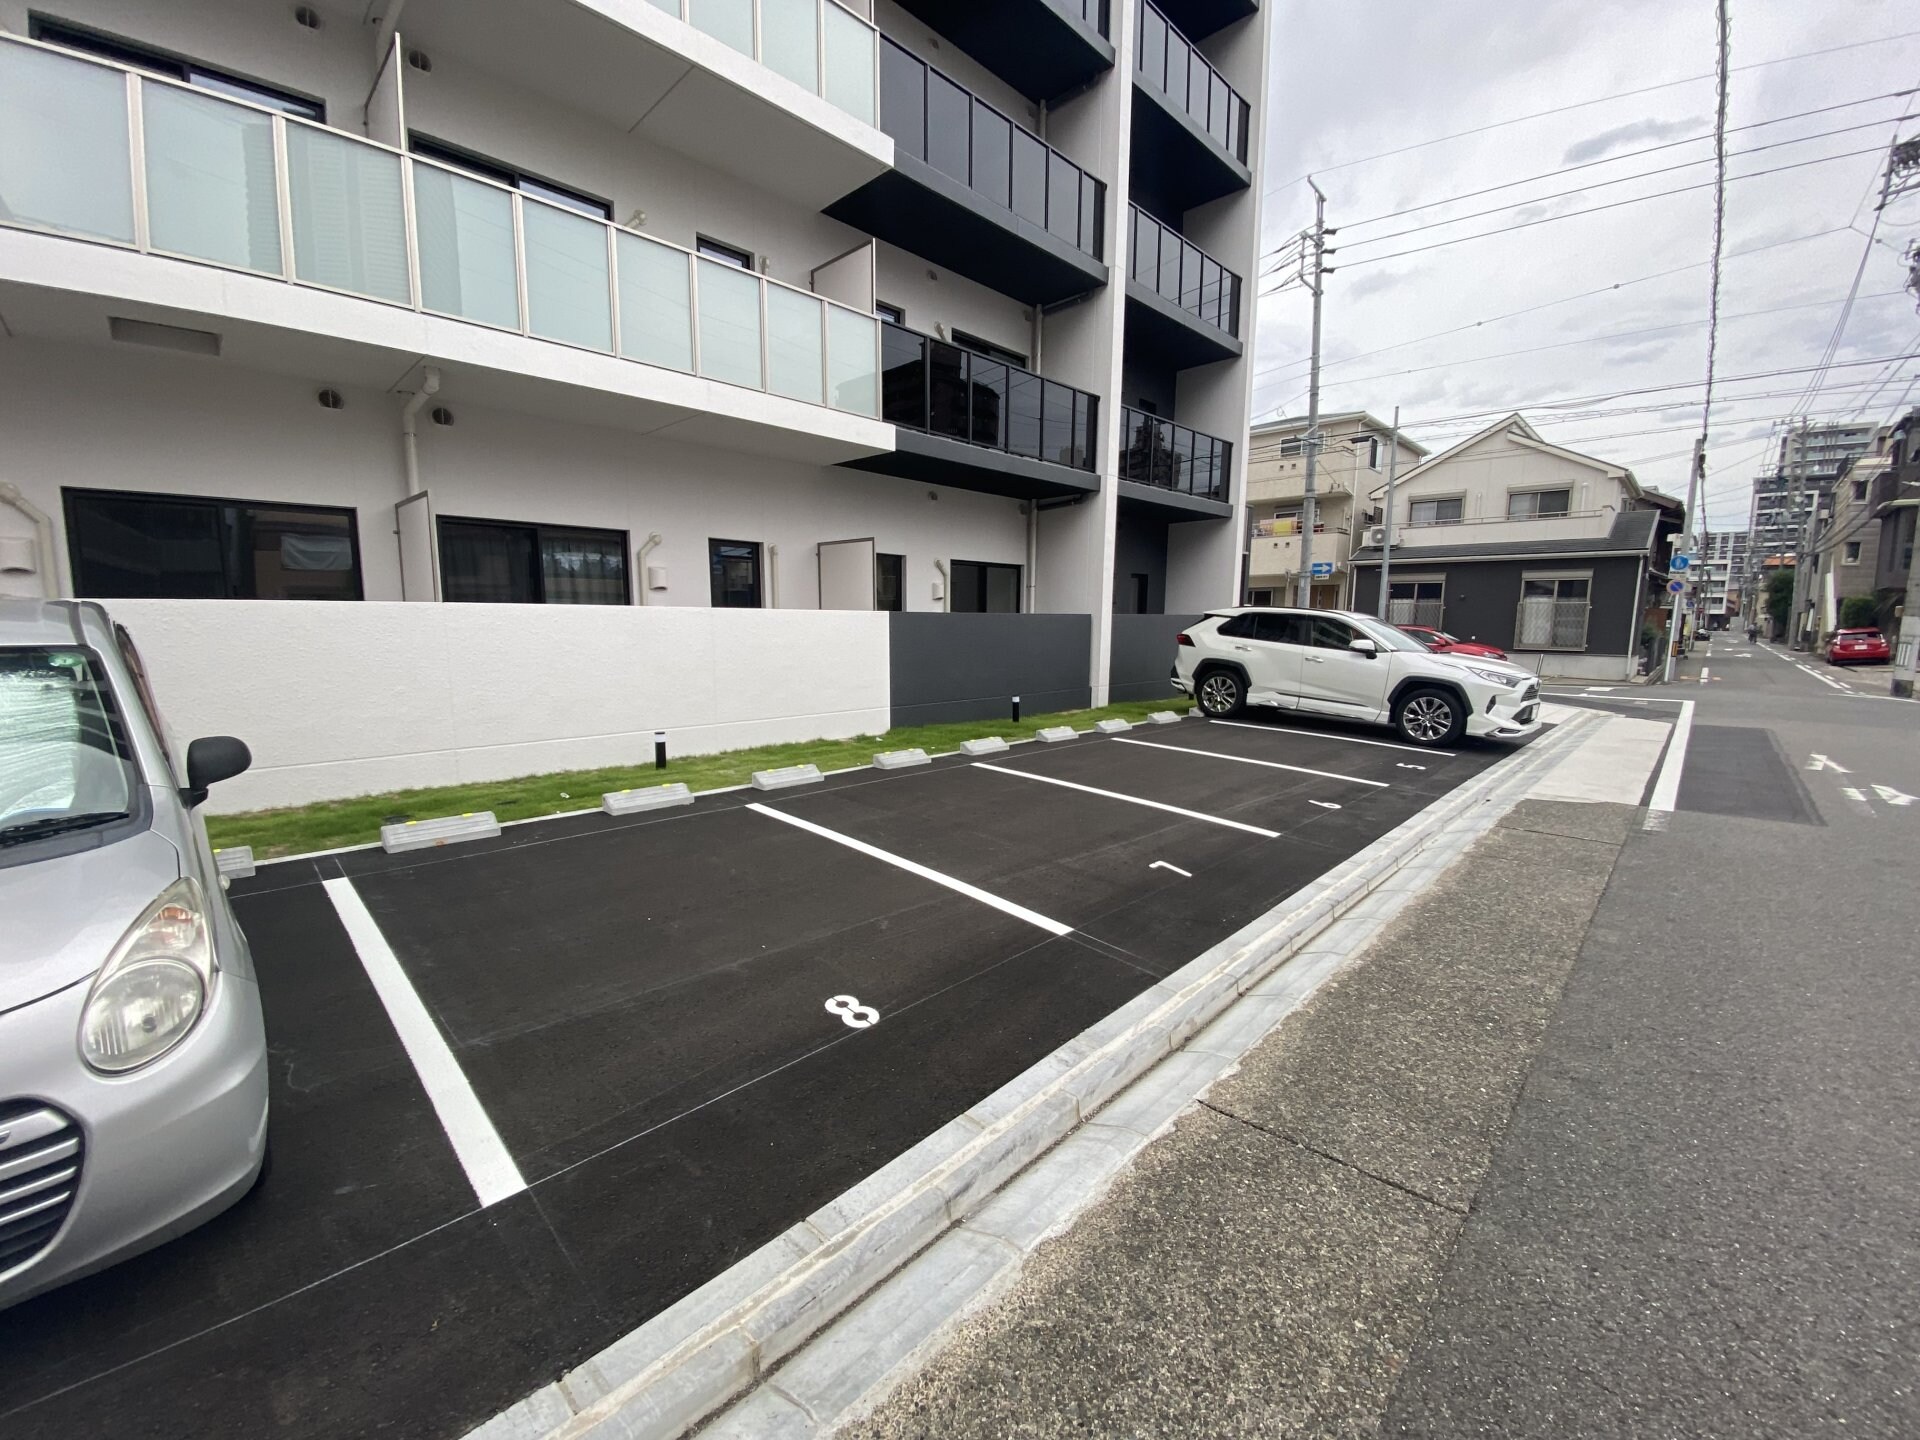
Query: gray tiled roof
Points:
[1632, 534]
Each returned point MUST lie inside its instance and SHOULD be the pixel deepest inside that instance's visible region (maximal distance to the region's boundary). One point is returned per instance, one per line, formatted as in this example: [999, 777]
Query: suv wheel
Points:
[1429, 716]
[1221, 694]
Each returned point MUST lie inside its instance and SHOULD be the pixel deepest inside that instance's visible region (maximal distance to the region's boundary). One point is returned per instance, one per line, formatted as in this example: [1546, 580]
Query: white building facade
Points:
[776, 304]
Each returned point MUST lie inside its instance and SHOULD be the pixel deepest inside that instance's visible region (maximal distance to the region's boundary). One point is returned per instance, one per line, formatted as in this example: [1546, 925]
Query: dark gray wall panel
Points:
[1142, 655]
[966, 667]
[1483, 597]
[1139, 548]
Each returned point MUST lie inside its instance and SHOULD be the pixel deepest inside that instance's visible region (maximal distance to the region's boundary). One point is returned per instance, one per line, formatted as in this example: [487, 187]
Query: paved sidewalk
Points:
[1264, 1268]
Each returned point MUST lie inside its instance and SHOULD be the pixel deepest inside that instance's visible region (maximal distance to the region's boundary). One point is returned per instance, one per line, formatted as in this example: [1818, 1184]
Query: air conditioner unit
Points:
[1376, 535]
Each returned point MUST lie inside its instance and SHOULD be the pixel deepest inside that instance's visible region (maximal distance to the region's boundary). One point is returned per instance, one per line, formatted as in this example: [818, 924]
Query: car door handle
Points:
[1316, 659]
[1247, 648]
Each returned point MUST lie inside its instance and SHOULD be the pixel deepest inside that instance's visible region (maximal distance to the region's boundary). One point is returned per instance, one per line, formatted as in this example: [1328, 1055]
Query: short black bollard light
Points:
[1016, 709]
[659, 749]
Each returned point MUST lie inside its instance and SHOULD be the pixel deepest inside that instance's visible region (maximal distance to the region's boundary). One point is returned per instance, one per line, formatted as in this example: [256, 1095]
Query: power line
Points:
[1455, 428]
[1597, 100]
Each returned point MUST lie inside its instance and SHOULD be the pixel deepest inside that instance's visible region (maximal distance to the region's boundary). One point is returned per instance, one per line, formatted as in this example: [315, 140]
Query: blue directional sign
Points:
[1681, 562]
[1323, 567]
[1674, 587]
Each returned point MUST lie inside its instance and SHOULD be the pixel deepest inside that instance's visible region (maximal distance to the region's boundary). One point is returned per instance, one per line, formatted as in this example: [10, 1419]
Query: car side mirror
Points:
[1364, 647]
[211, 759]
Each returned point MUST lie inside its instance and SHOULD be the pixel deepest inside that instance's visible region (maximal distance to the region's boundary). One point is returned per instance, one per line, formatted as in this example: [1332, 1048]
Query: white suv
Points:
[1335, 662]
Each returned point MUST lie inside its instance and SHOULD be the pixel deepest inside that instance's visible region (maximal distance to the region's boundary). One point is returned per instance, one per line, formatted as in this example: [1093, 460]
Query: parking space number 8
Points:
[852, 1012]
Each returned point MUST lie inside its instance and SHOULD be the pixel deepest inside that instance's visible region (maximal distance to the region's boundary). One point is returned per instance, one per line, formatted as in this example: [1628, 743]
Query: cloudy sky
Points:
[1353, 81]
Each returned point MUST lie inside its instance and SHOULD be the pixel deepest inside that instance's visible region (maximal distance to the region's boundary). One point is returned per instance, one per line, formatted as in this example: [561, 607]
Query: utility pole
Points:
[1694, 489]
[1801, 580]
[1386, 534]
[1309, 510]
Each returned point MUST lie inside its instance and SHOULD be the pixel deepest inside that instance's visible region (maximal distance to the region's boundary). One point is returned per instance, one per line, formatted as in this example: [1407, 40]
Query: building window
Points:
[502, 563]
[1448, 511]
[1260, 597]
[980, 588]
[726, 254]
[428, 148]
[1538, 504]
[889, 582]
[896, 314]
[180, 547]
[1851, 555]
[734, 566]
[1859, 489]
[1293, 445]
[1553, 611]
[1417, 600]
[1373, 452]
[989, 349]
[158, 62]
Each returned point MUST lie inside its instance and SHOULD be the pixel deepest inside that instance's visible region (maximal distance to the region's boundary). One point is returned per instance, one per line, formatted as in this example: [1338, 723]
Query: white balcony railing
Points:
[98, 152]
[815, 43]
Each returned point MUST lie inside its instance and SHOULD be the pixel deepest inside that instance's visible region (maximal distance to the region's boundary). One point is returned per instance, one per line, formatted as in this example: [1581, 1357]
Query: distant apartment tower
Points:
[882, 304]
[1723, 565]
[1807, 461]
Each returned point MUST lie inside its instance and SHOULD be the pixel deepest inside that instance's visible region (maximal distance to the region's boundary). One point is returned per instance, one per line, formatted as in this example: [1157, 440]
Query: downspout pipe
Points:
[946, 587]
[640, 564]
[1033, 555]
[49, 558]
[773, 577]
[409, 419]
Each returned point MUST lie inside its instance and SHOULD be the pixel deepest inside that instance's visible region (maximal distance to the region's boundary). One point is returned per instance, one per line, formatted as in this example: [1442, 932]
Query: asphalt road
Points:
[1702, 1220]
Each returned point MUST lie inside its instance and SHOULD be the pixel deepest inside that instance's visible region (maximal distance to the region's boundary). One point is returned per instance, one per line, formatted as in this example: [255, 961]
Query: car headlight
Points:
[154, 986]
[1496, 677]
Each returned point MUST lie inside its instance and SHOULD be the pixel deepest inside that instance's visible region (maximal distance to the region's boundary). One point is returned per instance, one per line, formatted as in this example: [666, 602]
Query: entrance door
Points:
[846, 574]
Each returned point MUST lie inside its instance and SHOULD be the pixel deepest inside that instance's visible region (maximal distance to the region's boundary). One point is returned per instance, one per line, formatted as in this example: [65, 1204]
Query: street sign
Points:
[1681, 562]
[1323, 567]
[1674, 587]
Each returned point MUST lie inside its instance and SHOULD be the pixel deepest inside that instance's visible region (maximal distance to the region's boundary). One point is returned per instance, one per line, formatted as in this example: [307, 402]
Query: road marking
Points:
[1403, 765]
[1249, 760]
[1163, 865]
[1323, 735]
[972, 892]
[852, 1013]
[1820, 762]
[1892, 796]
[1599, 690]
[1859, 800]
[1826, 680]
[1130, 799]
[490, 1168]
[1324, 804]
[1666, 789]
[1704, 673]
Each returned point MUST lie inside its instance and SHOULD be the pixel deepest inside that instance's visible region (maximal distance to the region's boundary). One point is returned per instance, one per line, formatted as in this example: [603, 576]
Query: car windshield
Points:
[64, 762]
[1388, 637]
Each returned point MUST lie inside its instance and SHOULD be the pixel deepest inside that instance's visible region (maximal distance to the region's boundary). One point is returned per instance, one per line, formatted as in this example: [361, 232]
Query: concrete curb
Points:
[945, 1228]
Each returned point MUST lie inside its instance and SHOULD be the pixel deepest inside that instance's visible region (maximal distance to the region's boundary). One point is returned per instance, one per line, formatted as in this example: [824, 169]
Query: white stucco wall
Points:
[1486, 473]
[340, 700]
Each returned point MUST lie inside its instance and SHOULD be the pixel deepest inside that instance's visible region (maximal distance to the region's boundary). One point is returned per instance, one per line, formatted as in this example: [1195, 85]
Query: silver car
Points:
[133, 1060]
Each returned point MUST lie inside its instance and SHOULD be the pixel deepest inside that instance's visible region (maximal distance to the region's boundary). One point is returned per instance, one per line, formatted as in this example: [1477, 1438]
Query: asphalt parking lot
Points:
[528, 1092]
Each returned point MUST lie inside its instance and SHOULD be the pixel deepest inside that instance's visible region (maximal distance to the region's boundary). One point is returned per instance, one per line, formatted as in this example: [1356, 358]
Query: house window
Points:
[1448, 511]
[1259, 597]
[181, 547]
[428, 148]
[503, 563]
[1417, 600]
[1373, 452]
[1538, 504]
[1851, 555]
[1859, 489]
[889, 582]
[989, 349]
[1553, 611]
[1293, 445]
[887, 311]
[980, 588]
[734, 566]
[158, 62]
[726, 254]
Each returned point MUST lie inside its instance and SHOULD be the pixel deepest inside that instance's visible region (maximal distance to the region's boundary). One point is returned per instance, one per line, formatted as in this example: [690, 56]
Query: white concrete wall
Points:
[933, 297]
[109, 417]
[341, 700]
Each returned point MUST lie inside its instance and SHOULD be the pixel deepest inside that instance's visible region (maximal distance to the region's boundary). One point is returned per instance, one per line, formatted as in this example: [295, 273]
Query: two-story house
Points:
[1354, 458]
[1513, 541]
[734, 303]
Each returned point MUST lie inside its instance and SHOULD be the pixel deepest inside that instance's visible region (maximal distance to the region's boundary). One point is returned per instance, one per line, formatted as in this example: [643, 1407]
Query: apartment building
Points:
[1723, 575]
[1354, 457]
[907, 306]
[1809, 459]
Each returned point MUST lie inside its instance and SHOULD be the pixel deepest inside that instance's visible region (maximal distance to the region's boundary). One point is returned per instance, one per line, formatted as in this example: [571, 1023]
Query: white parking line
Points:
[1323, 735]
[1131, 800]
[972, 892]
[1826, 680]
[1249, 760]
[1666, 789]
[483, 1155]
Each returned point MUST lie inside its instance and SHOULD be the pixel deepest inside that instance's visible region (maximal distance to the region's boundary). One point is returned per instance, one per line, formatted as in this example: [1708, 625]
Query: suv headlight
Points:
[1496, 677]
[154, 986]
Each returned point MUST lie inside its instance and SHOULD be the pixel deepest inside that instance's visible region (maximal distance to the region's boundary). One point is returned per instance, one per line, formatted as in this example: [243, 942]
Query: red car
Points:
[1858, 647]
[1442, 643]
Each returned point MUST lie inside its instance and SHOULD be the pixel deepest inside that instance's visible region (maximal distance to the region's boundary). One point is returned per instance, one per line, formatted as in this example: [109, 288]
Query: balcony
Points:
[1043, 48]
[780, 93]
[1190, 135]
[979, 424]
[1182, 304]
[1173, 469]
[1200, 18]
[307, 250]
[1275, 549]
[974, 192]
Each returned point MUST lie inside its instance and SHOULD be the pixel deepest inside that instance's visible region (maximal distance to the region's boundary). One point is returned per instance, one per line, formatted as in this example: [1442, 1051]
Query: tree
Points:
[1780, 594]
[1859, 611]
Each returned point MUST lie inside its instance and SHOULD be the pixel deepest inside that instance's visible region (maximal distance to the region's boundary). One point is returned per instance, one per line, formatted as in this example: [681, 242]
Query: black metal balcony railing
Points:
[1092, 12]
[1172, 457]
[928, 385]
[960, 135]
[1176, 269]
[1180, 72]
